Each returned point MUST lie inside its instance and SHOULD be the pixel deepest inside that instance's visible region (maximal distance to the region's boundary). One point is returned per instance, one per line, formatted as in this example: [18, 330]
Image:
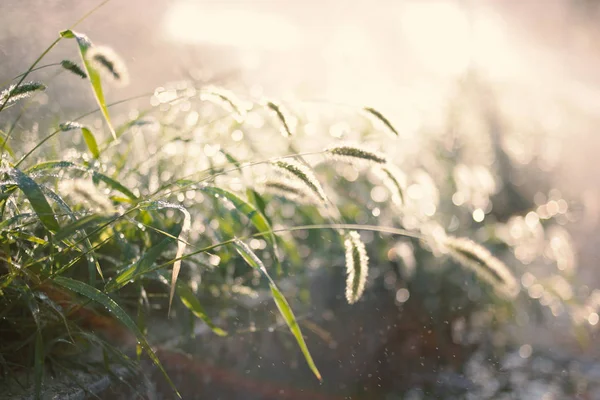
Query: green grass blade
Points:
[117, 312]
[3, 144]
[284, 308]
[286, 312]
[90, 141]
[84, 45]
[88, 136]
[181, 239]
[140, 267]
[26, 237]
[189, 299]
[96, 176]
[36, 197]
[81, 224]
[257, 219]
[113, 184]
[43, 166]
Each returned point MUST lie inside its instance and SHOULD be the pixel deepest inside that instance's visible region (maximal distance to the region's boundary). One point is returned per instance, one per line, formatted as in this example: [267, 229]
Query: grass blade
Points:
[88, 136]
[84, 45]
[81, 224]
[181, 239]
[117, 312]
[36, 197]
[256, 217]
[96, 176]
[113, 184]
[4, 145]
[189, 299]
[140, 267]
[284, 308]
[286, 312]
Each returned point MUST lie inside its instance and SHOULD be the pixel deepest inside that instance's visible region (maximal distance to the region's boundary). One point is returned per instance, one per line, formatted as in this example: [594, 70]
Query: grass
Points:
[187, 189]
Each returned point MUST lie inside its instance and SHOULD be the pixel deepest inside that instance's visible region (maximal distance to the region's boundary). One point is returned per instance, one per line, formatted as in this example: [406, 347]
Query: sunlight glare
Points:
[191, 23]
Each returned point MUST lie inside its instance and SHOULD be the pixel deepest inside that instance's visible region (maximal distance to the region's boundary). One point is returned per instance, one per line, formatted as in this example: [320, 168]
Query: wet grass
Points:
[169, 210]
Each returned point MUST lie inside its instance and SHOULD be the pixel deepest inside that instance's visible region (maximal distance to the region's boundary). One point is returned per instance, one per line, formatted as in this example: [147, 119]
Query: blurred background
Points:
[515, 82]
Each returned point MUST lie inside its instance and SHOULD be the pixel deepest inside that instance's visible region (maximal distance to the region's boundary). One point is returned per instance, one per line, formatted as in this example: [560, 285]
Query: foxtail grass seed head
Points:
[295, 170]
[290, 190]
[15, 93]
[225, 99]
[74, 68]
[380, 117]
[356, 155]
[395, 180]
[484, 264]
[283, 116]
[357, 266]
[106, 60]
[69, 126]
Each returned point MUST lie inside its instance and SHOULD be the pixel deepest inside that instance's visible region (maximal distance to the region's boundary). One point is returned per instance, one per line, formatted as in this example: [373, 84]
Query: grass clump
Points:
[155, 208]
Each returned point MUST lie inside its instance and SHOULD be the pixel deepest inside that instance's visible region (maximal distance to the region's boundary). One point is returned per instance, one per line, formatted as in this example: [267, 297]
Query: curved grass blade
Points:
[93, 263]
[117, 312]
[96, 176]
[84, 45]
[284, 308]
[80, 225]
[26, 237]
[88, 136]
[181, 239]
[113, 184]
[36, 197]
[6, 223]
[4, 145]
[140, 267]
[231, 159]
[256, 217]
[189, 299]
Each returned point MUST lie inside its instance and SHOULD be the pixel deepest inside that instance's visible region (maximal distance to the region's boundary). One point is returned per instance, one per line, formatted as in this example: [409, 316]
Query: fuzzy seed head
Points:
[301, 173]
[380, 117]
[357, 267]
[484, 264]
[291, 190]
[24, 90]
[225, 99]
[283, 116]
[105, 59]
[74, 68]
[395, 180]
[356, 155]
[69, 126]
